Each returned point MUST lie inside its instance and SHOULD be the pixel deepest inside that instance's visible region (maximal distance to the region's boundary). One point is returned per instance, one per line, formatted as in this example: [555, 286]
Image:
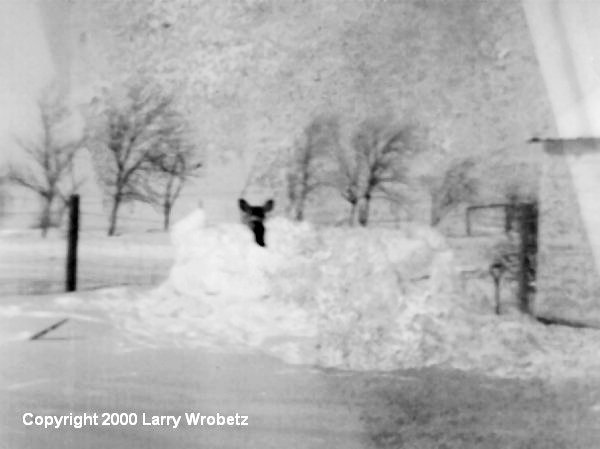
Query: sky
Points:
[564, 33]
[25, 66]
[33, 50]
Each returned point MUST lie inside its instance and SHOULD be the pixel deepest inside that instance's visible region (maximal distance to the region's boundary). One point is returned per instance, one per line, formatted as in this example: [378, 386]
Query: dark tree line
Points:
[140, 142]
[48, 167]
[372, 165]
[143, 151]
[142, 145]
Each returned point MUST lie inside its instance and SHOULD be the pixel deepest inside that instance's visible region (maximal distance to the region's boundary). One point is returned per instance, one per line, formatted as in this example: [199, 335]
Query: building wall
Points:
[568, 281]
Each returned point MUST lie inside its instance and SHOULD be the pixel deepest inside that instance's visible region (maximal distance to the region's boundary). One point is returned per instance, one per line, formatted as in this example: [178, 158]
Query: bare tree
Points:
[131, 132]
[375, 164]
[4, 195]
[457, 185]
[347, 179]
[174, 167]
[307, 167]
[48, 168]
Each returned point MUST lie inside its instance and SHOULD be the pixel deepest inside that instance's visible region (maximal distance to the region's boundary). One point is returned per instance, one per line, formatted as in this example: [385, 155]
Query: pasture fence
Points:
[520, 260]
[79, 255]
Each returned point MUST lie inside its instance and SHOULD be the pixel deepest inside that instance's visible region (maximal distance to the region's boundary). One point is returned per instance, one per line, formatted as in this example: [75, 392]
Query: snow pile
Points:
[367, 290]
[218, 260]
[352, 298]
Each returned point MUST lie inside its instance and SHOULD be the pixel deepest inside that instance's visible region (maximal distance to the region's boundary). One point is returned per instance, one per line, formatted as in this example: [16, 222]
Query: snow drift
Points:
[344, 297]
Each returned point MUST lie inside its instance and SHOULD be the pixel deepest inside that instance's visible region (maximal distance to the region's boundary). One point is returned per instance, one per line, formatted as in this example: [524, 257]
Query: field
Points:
[90, 363]
[87, 365]
[448, 409]
[30, 264]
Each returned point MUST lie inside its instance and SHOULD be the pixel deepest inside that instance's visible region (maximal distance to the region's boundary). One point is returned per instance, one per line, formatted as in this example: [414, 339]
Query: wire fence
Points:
[33, 264]
[486, 220]
[141, 254]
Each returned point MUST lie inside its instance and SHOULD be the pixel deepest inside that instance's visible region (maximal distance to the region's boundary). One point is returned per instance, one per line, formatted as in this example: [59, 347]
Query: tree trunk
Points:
[363, 212]
[434, 217]
[299, 216]
[168, 200]
[45, 218]
[114, 214]
[435, 214]
[167, 206]
[352, 213]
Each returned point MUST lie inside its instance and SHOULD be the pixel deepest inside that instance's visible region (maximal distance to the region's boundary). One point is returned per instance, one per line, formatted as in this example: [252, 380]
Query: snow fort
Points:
[351, 298]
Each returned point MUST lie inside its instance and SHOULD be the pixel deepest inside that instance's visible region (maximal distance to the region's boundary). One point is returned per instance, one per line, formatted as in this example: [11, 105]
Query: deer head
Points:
[254, 217]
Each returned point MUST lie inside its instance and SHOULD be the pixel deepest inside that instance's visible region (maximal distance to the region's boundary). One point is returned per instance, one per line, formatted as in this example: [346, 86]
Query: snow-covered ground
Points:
[32, 265]
[359, 299]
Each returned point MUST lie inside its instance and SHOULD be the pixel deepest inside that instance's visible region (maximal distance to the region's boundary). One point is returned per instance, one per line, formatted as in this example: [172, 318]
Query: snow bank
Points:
[351, 298]
[217, 260]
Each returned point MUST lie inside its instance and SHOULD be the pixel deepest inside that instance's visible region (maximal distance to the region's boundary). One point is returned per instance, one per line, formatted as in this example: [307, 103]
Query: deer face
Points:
[254, 217]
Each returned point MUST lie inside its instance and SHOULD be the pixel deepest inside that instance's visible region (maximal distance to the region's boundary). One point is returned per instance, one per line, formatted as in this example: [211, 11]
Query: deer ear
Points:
[268, 207]
[244, 206]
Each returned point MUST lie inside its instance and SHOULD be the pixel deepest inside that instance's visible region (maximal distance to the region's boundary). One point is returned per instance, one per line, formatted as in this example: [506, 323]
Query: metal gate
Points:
[520, 262]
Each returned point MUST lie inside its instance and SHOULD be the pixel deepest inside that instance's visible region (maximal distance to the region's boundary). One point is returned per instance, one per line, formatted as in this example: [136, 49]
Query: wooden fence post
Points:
[72, 243]
[468, 220]
[528, 230]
